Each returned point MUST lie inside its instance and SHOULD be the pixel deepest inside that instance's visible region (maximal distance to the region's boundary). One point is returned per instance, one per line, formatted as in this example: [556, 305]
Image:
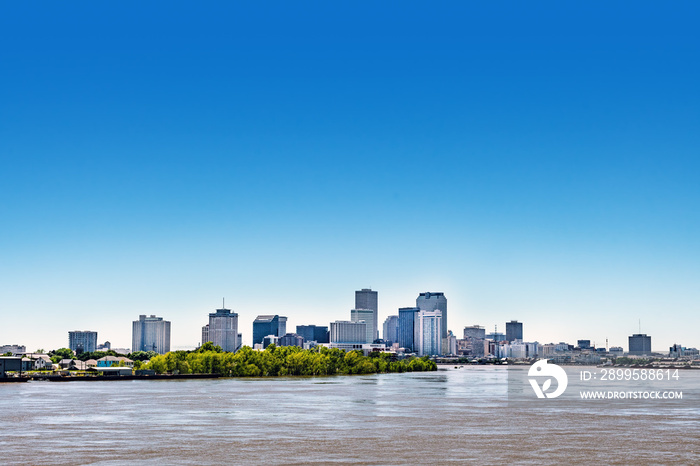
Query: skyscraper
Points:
[434, 302]
[408, 328]
[369, 317]
[368, 299]
[514, 330]
[317, 333]
[429, 338]
[282, 326]
[222, 330]
[391, 329]
[82, 342]
[475, 331]
[268, 325]
[151, 334]
[348, 332]
[640, 344]
[291, 339]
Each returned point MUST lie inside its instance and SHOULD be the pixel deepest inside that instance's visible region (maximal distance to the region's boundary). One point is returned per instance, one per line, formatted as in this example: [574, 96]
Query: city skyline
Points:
[291, 322]
[535, 162]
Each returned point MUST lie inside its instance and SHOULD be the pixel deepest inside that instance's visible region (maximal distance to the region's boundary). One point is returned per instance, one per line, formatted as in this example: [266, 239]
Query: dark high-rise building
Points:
[291, 339]
[368, 299]
[268, 325]
[434, 302]
[475, 331]
[82, 342]
[640, 344]
[408, 328]
[391, 329]
[584, 344]
[514, 330]
[317, 333]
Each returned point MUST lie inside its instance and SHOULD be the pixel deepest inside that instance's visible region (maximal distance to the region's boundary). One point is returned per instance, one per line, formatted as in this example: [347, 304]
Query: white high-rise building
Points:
[430, 338]
[368, 316]
[391, 329]
[151, 334]
[222, 330]
[82, 341]
[348, 332]
[434, 302]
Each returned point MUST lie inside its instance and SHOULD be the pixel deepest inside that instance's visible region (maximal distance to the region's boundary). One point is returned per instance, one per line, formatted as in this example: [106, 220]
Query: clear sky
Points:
[536, 161]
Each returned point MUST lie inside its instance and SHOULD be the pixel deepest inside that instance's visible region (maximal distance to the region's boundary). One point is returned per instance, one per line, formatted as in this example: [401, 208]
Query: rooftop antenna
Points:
[223, 303]
[640, 326]
[606, 344]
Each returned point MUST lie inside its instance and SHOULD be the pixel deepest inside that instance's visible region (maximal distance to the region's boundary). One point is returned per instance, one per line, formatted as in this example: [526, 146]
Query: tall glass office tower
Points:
[368, 299]
[408, 328]
[434, 302]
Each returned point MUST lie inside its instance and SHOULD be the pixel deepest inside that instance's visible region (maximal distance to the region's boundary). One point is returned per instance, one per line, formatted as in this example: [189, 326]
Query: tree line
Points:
[281, 361]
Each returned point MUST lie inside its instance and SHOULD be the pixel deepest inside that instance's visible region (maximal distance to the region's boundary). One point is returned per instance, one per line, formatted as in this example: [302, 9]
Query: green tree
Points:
[209, 346]
[61, 353]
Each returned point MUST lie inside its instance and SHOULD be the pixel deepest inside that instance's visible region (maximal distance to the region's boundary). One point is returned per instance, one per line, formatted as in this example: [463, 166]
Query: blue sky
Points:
[536, 162]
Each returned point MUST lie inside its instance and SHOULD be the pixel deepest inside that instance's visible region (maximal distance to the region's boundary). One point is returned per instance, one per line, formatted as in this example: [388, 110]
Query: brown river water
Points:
[455, 415]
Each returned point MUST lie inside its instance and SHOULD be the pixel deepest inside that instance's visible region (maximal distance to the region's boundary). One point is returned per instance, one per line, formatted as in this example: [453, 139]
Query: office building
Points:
[449, 344]
[222, 330]
[317, 333]
[496, 336]
[514, 330]
[368, 316]
[205, 334]
[391, 329]
[291, 339]
[640, 344]
[475, 331]
[408, 328]
[268, 340]
[151, 334]
[14, 349]
[281, 325]
[584, 344]
[82, 341]
[429, 333]
[368, 299]
[348, 332]
[434, 302]
[268, 325]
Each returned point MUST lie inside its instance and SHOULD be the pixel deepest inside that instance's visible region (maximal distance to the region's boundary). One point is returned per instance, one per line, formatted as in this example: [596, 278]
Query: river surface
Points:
[454, 415]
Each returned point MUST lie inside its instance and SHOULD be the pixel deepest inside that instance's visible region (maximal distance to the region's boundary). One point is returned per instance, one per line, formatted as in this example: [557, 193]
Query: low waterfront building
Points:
[114, 361]
[72, 364]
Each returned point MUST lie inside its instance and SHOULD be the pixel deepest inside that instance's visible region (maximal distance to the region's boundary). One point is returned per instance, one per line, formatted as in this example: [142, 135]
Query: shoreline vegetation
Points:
[275, 361]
